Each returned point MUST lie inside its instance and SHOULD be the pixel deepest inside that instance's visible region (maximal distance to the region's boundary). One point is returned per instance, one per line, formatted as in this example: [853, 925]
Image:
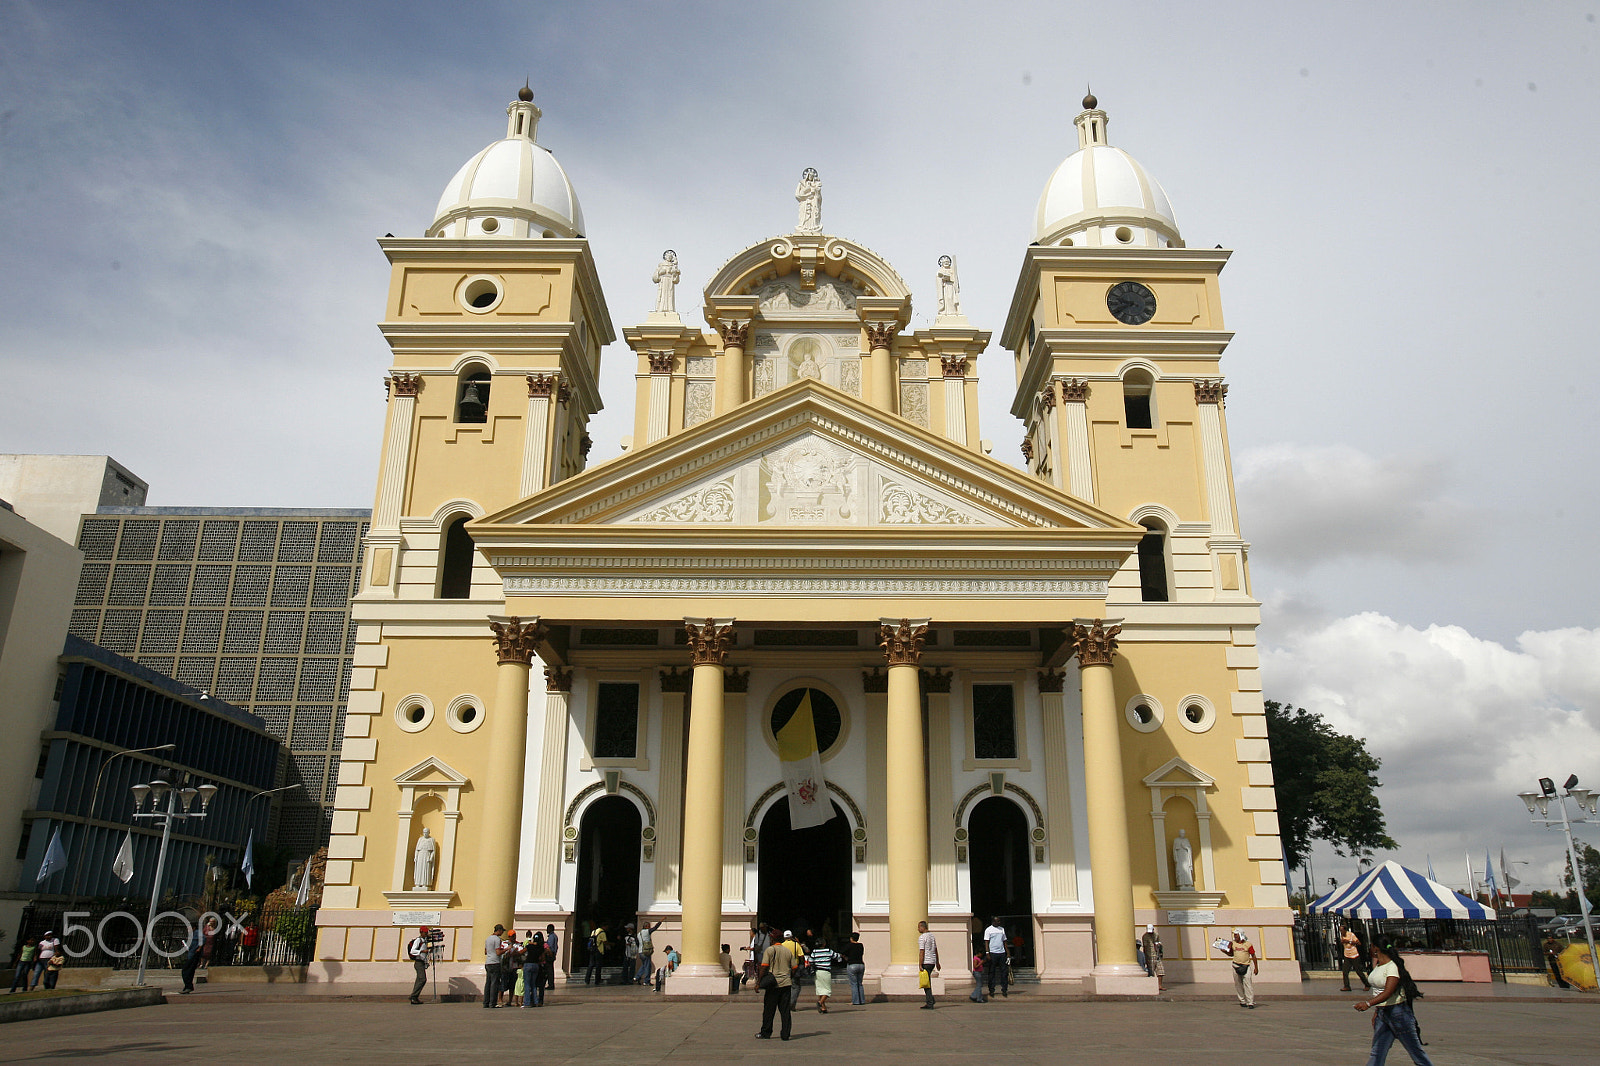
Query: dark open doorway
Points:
[608, 870]
[999, 873]
[805, 874]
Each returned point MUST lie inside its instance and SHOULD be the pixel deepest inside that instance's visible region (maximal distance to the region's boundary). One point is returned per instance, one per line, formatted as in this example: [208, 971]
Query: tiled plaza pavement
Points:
[216, 1027]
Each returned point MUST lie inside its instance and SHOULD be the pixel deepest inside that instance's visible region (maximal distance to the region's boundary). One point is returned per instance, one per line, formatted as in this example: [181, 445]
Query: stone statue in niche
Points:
[949, 288]
[666, 279]
[809, 195]
[1183, 862]
[423, 860]
[804, 355]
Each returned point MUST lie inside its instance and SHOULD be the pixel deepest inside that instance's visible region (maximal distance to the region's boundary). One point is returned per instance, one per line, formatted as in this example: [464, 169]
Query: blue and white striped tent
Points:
[1392, 891]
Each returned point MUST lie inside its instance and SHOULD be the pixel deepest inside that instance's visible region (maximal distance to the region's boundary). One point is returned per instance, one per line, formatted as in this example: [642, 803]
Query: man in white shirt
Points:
[417, 952]
[994, 960]
[928, 960]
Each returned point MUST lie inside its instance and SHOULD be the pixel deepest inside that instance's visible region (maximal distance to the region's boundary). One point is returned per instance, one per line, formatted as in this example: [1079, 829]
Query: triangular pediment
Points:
[1175, 773]
[808, 456]
[431, 771]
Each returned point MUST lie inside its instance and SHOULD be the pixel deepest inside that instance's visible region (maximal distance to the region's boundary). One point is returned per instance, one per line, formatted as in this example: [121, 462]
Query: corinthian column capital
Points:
[541, 384]
[1096, 644]
[709, 643]
[516, 641]
[660, 362]
[405, 384]
[902, 642]
[879, 334]
[734, 332]
[1210, 390]
[1074, 390]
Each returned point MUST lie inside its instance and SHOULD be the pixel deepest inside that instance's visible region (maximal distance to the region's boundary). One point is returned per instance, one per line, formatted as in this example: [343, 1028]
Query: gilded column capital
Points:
[660, 362]
[1052, 680]
[902, 642]
[515, 640]
[935, 680]
[673, 681]
[954, 366]
[1074, 390]
[1210, 390]
[880, 334]
[541, 385]
[734, 332]
[557, 679]
[709, 643]
[1047, 397]
[404, 384]
[1096, 644]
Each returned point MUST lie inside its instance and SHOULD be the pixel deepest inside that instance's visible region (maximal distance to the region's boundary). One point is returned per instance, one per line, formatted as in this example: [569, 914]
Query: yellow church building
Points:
[1035, 690]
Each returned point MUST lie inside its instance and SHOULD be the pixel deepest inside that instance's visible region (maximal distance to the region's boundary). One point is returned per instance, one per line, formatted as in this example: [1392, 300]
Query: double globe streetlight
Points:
[156, 791]
[1539, 806]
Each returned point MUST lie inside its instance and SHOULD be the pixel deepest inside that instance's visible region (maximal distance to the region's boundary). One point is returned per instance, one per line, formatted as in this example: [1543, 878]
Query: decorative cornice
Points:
[935, 680]
[1096, 644]
[1210, 390]
[734, 332]
[515, 639]
[709, 643]
[1051, 680]
[735, 680]
[877, 681]
[404, 384]
[1047, 397]
[880, 334]
[1074, 390]
[902, 644]
[746, 585]
[673, 681]
[660, 362]
[1027, 448]
[954, 366]
[557, 679]
[541, 385]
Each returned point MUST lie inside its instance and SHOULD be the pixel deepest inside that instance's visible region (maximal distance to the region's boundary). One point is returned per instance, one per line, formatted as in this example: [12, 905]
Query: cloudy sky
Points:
[190, 193]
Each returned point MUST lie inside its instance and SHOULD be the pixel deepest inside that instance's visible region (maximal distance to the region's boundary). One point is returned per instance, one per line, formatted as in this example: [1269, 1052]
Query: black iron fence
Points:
[1512, 944]
[109, 932]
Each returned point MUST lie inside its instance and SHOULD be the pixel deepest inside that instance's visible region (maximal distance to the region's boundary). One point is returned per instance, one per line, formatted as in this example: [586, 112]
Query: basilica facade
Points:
[1034, 689]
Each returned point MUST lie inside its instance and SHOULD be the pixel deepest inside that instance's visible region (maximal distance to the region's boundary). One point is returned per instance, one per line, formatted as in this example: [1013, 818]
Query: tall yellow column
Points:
[731, 377]
[701, 892]
[879, 337]
[1116, 970]
[906, 784]
[494, 898]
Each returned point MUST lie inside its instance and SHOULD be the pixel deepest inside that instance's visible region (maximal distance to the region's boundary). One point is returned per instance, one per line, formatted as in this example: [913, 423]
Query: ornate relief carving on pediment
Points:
[898, 505]
[788, 297]
[810, 482]
[713, 503]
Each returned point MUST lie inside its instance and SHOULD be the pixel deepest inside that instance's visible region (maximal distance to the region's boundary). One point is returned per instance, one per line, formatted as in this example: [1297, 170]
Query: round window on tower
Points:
[414, 713]
[1198, 714]
[480, 293]
[826, 717]
[1144, 713]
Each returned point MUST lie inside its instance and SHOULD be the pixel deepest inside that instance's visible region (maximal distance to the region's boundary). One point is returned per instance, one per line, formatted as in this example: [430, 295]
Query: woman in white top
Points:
[1392, 1018]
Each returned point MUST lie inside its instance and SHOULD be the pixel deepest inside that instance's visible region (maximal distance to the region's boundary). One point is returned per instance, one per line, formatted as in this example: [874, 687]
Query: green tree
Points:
[1327, 786]
[1589, 863]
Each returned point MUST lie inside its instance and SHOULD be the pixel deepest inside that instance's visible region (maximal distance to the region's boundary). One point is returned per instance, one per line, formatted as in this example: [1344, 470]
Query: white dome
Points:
[513, 188]
[1101, 196]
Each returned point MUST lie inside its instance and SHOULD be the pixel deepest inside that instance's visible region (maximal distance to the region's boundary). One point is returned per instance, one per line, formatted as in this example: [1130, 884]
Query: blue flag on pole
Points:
[248, 866]
[55, 858]
[1430, 869]
[1488, 876]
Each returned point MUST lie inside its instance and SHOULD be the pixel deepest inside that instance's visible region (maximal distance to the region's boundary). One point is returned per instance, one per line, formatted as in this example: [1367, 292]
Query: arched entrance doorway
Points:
[999, 873]
[608, 871]
[804, 880]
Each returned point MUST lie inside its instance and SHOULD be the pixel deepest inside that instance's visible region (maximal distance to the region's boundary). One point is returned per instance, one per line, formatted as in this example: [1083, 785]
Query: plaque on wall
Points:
[1191, 917]
[415, 917]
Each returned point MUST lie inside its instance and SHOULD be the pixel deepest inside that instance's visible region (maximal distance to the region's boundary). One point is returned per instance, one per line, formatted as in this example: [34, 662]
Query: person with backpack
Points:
[595, 950]
[417, 952]
[1392, 1017]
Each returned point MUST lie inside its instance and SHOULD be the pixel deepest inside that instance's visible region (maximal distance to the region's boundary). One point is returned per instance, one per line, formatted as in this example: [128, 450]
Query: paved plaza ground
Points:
[234, 1024]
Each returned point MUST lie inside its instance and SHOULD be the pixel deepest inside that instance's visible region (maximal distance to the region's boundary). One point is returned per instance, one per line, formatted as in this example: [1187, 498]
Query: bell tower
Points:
[496, 320]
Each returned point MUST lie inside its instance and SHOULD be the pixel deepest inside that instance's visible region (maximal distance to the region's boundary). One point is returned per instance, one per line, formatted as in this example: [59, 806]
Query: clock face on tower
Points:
[1131, 303]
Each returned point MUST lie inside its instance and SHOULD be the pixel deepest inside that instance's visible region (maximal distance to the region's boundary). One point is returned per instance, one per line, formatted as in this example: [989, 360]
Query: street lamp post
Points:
[258, 795]
[156, 791]
[1587, 802]
[94, 798]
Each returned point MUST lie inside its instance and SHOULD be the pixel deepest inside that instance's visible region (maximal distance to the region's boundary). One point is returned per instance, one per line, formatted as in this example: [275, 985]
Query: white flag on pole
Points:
[1505, 873]
[305, 887]
[809, 804]
[122, 865]
[55, 858]
[248, 866]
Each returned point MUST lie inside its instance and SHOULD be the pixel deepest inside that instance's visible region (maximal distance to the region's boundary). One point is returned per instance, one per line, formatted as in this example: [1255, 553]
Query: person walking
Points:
[1354, 956]
[797, 949]
[1392, 1017]
[191, 961]
[996, 962]
[760, 937]
[493, 949]
[927, 961]
[977, 968]
[776, 974]
[822, 959]
[1151, 945]
[855, 964]
[25, 955]
[1246, 964]
[417, 952]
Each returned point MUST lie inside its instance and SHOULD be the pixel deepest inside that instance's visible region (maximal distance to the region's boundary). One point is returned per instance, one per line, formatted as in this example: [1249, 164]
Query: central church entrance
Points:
[804, 874]
[608, 872]
[1000, 874]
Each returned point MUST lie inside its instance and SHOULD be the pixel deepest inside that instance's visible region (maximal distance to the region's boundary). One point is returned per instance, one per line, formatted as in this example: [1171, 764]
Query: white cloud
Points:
[1309, 504]
[1462, 724]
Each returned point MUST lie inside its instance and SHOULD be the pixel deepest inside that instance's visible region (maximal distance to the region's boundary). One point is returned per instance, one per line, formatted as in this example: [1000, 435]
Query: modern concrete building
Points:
[55, 491]
[1033, 691]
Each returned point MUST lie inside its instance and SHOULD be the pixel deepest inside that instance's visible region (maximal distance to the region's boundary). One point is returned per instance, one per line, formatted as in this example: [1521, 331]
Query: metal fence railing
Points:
[105, 933]
[1512, 944]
